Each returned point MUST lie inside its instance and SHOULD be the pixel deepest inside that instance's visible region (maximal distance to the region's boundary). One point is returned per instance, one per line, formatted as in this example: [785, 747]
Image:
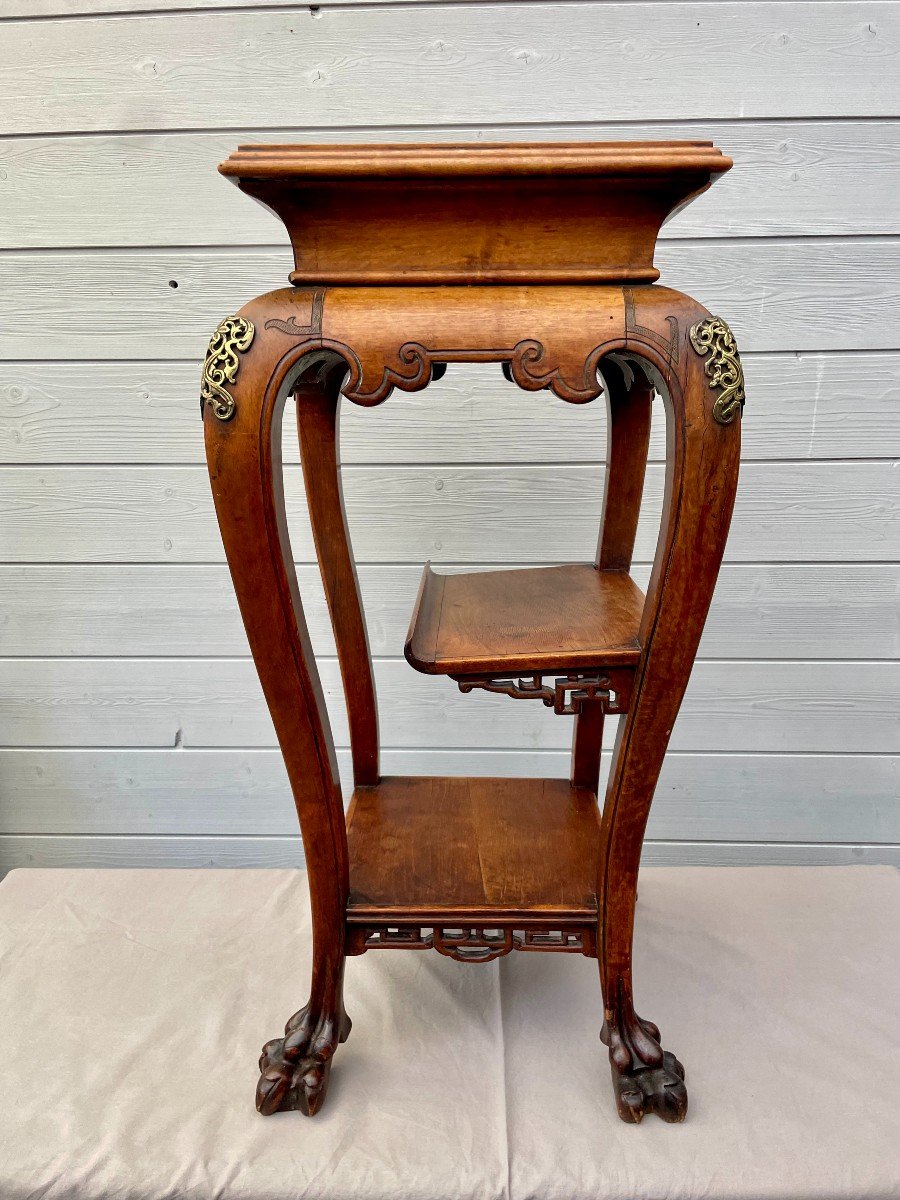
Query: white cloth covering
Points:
[133, 1005]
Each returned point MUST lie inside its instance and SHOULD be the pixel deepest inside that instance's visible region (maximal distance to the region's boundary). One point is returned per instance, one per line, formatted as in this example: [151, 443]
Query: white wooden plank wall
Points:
[132, 723]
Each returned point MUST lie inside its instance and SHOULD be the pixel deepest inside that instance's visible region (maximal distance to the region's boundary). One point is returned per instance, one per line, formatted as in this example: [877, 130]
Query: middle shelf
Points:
[527, 620]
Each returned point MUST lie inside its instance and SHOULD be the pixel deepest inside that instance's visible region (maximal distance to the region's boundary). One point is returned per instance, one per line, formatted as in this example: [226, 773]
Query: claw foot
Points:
[651, 1089]
[295, 1069]
[646, 1078]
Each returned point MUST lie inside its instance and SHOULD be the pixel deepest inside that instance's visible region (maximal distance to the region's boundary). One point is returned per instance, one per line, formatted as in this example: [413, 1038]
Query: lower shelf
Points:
[459, 851]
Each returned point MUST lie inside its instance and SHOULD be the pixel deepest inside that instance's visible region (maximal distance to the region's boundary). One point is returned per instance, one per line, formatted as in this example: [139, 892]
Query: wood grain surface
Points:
[412, 839]
[530, 619]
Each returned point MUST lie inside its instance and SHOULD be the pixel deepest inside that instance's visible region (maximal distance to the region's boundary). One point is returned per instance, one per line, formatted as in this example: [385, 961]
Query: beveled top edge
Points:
[392, 160]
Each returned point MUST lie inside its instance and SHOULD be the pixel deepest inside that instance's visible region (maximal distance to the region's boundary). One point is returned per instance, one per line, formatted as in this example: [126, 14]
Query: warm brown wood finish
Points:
[587, 744]
[451, 851]
[318, 405]
[451, 213]
[566, 618]
[476, 868]
[629, 396]
[244, 458]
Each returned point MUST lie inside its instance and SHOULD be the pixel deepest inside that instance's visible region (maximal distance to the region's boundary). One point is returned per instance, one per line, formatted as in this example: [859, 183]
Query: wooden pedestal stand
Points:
[539, 258]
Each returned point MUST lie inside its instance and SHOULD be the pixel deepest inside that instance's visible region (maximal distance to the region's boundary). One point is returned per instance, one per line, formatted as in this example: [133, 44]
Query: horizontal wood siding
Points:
[832, 511]
[805, 407]
[796, 179]
[758, 706]
[245, 792]
[794, 295]
[130, 851]
[132, 727]
[786, 610]
[444, 63]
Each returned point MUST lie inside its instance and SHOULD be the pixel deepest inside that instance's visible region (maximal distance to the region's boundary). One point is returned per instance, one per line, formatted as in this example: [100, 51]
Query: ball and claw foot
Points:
[295, 1069]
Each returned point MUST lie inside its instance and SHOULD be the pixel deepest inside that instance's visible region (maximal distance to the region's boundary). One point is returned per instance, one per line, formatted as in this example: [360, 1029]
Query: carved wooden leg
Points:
[294, 1070]
[250, 369]
[702, 467]
[629, 403]
[318, 406]
[629, 397]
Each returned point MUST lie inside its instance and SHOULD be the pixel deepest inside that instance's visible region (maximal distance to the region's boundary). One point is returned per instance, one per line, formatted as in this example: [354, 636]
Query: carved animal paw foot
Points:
[295, 1069]
[651, 1089]
[646, 1078]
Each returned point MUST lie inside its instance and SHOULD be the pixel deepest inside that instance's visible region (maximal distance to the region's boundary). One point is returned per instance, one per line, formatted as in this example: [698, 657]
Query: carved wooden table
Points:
[539, 258]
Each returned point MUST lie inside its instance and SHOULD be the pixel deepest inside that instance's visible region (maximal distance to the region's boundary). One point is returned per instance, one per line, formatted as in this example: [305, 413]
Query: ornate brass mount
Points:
[467, 944]
[233, 336]
[565, 696]
[723, 367]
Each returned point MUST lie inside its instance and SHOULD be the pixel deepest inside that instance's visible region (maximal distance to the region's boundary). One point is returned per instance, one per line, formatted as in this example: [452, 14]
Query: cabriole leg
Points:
[701, 478]
[249, 370]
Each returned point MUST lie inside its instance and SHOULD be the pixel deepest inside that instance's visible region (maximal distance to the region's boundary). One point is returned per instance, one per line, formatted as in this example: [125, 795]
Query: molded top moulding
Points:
[558, 212]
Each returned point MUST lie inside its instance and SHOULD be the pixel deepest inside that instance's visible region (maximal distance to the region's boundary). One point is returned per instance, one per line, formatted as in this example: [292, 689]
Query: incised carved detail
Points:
[723, 368]
[232, 337]
[669, 346]
[294, 328]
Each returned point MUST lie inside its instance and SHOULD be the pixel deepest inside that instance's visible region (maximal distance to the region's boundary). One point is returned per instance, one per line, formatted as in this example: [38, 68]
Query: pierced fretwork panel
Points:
[565, 695]
[554, 939]
[468, 944]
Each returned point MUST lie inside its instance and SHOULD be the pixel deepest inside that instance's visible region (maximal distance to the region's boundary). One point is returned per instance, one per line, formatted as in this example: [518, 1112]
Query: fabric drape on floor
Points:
[133, 1005]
